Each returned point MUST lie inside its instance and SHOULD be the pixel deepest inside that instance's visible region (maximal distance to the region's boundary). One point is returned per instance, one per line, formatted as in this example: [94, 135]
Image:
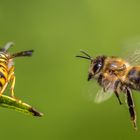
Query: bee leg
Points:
[100, 79]
[103, 82]
[117, 95]
[131, 107]
[116, 91]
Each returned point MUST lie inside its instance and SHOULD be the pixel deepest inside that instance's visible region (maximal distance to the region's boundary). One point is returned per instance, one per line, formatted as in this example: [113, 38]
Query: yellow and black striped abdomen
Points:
[3, 71]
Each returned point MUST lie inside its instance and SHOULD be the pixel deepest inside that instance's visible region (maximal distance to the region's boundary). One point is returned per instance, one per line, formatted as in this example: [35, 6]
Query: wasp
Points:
[115, 75]
[7, 67]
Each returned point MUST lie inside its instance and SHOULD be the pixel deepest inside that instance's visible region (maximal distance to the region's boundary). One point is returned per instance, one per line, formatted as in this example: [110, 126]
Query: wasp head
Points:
[96, 65]
[4, 52]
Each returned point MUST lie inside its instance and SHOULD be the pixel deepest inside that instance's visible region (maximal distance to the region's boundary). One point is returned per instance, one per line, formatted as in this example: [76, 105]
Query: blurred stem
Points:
[18, 105]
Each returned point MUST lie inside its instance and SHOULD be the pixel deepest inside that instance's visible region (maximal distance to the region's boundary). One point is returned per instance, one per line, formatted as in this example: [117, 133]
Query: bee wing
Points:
[107, 91]
[102, 96]
[131, 50]
[134, 58]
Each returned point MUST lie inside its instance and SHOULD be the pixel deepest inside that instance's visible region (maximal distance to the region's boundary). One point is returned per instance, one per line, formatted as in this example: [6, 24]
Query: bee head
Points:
[96, 65]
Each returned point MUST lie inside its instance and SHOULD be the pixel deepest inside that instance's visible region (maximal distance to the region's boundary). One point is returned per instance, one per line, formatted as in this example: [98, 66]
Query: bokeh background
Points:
[53, 80]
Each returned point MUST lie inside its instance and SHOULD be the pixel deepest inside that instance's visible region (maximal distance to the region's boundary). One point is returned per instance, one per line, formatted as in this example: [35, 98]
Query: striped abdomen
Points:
[3, 70]
[133, 78]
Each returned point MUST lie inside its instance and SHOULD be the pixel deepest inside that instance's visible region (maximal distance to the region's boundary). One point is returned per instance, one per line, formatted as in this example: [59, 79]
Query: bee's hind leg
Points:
[131, 106]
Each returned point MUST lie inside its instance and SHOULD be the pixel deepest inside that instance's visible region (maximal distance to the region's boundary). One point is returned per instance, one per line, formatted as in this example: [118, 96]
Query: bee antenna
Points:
[85, 57]
[85, 53]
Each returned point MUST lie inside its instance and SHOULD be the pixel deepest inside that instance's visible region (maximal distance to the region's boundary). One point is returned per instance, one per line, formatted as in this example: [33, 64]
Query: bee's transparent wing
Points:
[132, 51]
[106, 92]
[134, 58]
[102, 96]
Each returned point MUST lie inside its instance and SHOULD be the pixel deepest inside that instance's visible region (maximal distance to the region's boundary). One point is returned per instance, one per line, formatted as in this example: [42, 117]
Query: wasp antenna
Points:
[23, 53]
[85, 53]
[7, 46]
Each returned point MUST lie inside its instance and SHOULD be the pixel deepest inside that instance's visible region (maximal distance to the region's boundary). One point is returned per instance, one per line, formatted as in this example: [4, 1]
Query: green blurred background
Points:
[53, 80]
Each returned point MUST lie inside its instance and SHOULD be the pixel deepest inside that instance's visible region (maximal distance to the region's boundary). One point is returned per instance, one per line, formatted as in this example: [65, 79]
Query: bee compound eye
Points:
[97, 67]
[99, 64]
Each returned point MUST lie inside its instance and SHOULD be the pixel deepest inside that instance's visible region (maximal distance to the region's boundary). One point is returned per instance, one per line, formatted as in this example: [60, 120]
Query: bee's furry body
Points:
[115, 74]
[117, 69]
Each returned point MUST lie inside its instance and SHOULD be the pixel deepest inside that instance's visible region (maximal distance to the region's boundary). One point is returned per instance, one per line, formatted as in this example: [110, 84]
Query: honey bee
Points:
[115, 75]
[7, 67]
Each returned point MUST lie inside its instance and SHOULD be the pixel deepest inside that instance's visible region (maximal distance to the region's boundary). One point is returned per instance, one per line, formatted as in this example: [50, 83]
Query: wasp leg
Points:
[11, 72]
[3, 88]
[12, 85]
[11, 78]
[131, 107]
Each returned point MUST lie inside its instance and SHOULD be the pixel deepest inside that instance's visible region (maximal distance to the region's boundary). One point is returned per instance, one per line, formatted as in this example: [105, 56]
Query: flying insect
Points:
[114, 75]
